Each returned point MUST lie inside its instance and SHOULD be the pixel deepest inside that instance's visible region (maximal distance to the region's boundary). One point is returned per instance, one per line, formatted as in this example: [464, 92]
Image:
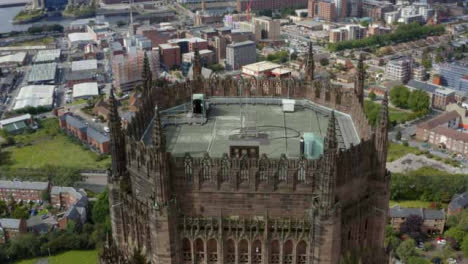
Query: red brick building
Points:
[270, 4]
[10, 228]
[442, 97]
[89, 135]
[23, 190]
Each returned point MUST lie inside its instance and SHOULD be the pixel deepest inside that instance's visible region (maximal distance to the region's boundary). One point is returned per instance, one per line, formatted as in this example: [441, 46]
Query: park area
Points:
[69, 257]
[49, 146]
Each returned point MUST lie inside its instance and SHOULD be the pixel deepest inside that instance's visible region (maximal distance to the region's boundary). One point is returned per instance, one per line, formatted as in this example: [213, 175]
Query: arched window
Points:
[225, 168]
[301, 252]
[327, 94]
[338, 97]
[188, 168]
[283, 169]
[186, 251]
[301, 171]
[206, 169]
[244, 169]
[212, 251]
[317, 92]
[230, 252]
[199, 251]
[274, 252]
[243, 252]
[257, 252]
[288, 252]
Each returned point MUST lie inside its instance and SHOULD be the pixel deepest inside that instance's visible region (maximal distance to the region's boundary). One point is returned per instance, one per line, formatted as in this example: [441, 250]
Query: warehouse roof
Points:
[15, 119]
[80, 37]
[47, 55]
[35, 95]
[84, 65]
[13, 58]
[42, 72]
[85, 89]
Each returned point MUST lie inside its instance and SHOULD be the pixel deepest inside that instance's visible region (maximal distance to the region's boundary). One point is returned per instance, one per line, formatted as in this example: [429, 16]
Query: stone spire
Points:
[117, 144]
[310, 64]
[359, 81]
[381, 132]
[328, 169]
[197, 63]
[157, 136]
[330, 142]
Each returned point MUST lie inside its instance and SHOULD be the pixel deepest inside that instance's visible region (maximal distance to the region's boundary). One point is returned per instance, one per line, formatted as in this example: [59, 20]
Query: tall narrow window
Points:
[263, 169]
[301, 172]
[206, 169]
[283, 169]
[225, 168]
[188, 168]
[244, 169]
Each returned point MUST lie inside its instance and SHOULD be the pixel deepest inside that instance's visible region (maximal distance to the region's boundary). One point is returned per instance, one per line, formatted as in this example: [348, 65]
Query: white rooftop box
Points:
[288, 105]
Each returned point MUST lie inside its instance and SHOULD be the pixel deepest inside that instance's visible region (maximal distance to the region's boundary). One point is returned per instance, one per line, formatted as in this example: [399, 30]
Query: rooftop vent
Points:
[288, 105]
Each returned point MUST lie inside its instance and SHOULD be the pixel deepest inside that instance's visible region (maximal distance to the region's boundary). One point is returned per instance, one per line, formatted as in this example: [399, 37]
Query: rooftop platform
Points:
[278, 132]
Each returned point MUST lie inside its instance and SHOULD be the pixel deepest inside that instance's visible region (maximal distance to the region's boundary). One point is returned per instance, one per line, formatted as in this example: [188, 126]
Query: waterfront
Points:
[8, 13]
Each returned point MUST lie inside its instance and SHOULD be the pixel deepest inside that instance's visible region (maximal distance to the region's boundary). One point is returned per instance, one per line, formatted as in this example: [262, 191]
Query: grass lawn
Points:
[396, 151]
[400, 116]
[69, 257]
[49, 146]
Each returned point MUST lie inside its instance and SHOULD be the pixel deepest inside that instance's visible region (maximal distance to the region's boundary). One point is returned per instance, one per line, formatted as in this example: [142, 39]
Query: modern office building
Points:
[399, 69]
[240, 54]
[266, 28]
[454, 75]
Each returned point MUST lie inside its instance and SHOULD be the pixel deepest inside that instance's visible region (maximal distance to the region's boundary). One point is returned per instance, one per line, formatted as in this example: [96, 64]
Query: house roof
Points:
[459, 201]
[75, 122]
[10, 223]
[439, 120]
[427, 87]
[97, 135]
[24, 185]
[426, 214]
[80, 75]
[451, 133]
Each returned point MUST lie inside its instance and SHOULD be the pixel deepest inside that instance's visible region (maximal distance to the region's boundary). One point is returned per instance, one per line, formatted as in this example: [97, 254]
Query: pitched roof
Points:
[97, 135]
[10, 223]
[426, 214]
[75, 122]
[459, 201]
[24, 185]
[427, 87]
[439, 120]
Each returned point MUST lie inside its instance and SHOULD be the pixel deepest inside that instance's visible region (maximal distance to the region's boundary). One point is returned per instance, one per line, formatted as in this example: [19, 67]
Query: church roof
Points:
[277, 132]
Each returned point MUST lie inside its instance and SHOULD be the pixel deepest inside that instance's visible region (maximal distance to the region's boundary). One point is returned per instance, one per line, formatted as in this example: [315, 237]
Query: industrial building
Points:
[47, 56]
[13, 60]
[35, 96]
[85, 90]
[43, 73]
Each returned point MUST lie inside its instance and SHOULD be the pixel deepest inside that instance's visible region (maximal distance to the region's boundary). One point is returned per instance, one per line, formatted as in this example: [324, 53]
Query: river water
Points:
[8, 13]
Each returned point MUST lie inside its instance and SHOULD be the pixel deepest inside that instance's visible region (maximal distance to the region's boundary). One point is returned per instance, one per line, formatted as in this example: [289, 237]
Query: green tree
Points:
[419, 101]
[372, 96]
[406, 249]
[324, 61]
[24, 246]
[399, 96]
[20, 212]
[456, 233]
[398, 135]
[417, 260]
[45, 196]
[464, 246]
[426, 61]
